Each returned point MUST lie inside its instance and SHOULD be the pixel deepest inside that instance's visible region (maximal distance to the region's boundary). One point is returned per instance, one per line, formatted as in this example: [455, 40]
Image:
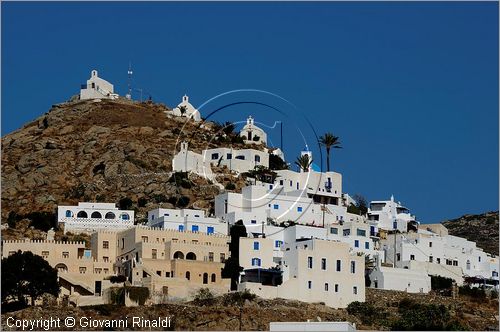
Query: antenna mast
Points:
[129, 94]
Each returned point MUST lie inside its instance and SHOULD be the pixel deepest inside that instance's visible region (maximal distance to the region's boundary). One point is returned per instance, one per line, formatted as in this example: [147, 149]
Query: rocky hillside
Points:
[383, 310]
[480, 228]
[104, 151]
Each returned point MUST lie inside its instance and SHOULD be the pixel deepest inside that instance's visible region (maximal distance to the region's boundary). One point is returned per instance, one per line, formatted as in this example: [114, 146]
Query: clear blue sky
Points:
[411, 88]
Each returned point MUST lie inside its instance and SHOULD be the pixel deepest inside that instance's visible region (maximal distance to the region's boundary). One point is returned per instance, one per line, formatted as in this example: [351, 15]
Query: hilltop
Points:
[103, 152]
[480, 228]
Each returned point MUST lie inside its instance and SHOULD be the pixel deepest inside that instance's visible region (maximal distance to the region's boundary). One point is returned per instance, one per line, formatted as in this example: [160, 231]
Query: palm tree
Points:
[328, 140]
[304, 162]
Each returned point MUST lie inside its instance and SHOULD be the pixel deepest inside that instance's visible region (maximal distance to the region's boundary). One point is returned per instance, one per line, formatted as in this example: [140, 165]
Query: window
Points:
[334, 230]
[455, 263]
[125, 216]
[412, 257]
[82, 269]
[158, 273]
[281, 182]
[213, 277]
[105, 259]
[111, 215]
[360, 232]
[145, 239]
[210, 256]
[229, 156]
[45, 254]
[106, 271]
[430, 244]
[65, 254]
[278, 243]
[448, 262]
[105, 244]
[430, 259]
[356, 243]
[438, 260]
[347, 232]
[309, 262]
[467, 265]
[69, 214]
[353, 267]
[222, 257]
[298, 185]
[326, 287]
[270, 187]
[336, 288]
[256, 245]
[276, 206]
[355, 290]
[205, 278]
[395, 225]
[240, 157]
[398, 257]
[194, 228]
[253, 221]
[367, 245]
[291, 183]
[210, 230]
[479, 259]
[181, 228]
[299, 208]
[154, 253]
[339, 265]
[256, 261]
[215, 156]
[494, 273]
[81, 214]
[323, 263]
[257, 159]
[96, 215]
[188, 275]
[309, 284]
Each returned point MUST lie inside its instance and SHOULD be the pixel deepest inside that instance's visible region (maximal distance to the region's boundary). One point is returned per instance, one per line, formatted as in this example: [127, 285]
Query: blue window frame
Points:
[278, 243]
[229, 156]
[367, 245]
[270, 187]
[194, 228]
[276, 206]
[299, 208]
[334, 230]
[69, 214]
[256, 261]
[210, 230]
[395, 225]
[256, 245]
[181, 228]
[253, 221]
[356, 243]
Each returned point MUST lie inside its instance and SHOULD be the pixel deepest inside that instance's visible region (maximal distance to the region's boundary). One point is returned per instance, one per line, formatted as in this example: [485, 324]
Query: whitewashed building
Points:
[189, 161]
[186, 220]
[97, 88]
[390, 215]
[405, 280]
[311, 270]
[187, 110]
[448, 256]
[252, 134]
[237, 160]
[89, 217]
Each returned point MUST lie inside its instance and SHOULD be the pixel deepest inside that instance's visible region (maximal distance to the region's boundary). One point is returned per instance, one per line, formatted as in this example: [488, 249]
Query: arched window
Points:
[124, 216]
[178, 255]
[468, 265]
[110, 215]
[257, 158]
[213, 277]
[191, 256]
[69, 214]
[82, 214]
[188, 275]
[96, 214]
[205, 278]
[61, 267]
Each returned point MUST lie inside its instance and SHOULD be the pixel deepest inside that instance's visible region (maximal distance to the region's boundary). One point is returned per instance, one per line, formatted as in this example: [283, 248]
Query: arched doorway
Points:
[213, 277]
[82, 214]
[191, 256]
[205, 278]
[96, 214]
[188, 275]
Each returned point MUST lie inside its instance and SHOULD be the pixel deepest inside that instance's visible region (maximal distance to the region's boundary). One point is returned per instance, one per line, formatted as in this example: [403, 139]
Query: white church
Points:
[97, 88]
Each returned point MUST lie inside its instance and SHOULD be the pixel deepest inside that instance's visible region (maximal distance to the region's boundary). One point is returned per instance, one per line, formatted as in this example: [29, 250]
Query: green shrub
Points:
[238, 298]
[204, 296]
[117, 279]
[418, 316]
[125, 203]
[474, 292]
[230, 186]
[439, 282]
[141, 202]
[183, 201]
[363, 310]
